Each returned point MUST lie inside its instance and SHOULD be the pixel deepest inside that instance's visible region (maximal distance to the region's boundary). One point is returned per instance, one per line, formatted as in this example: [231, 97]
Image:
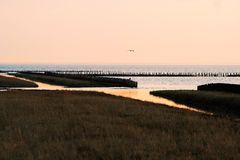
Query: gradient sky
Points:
[102, 31]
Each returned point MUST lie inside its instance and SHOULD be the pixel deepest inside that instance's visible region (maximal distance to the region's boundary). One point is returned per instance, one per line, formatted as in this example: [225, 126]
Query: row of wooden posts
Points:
[151, 74]
[142, 74]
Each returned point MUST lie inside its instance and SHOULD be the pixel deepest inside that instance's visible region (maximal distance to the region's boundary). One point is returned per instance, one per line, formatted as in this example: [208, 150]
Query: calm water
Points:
[153, 83]
[180, 83]
[128, 68]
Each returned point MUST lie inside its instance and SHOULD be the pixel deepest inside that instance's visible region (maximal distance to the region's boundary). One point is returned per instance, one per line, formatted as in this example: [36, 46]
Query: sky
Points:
[201, 32]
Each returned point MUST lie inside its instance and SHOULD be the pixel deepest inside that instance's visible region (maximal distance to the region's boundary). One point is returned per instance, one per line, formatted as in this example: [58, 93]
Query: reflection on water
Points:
[138, 94]
[45, 86]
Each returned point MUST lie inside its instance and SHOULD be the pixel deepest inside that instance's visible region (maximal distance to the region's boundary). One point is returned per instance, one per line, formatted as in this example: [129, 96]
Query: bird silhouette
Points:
[131, 50]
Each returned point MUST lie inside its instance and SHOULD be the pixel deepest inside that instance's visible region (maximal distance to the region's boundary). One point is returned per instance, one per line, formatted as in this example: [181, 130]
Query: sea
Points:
[151, 83]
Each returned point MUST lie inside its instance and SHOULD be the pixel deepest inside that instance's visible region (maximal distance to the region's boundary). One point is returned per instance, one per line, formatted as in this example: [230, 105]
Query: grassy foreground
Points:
[217, 102]
[88, 125]
[7, 82]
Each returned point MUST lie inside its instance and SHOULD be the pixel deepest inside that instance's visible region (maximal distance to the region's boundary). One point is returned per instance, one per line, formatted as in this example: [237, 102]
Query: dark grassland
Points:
[72, 82]
[107, 81]
[220, 87]
[88, 125]
[7, 82]
[227, 104]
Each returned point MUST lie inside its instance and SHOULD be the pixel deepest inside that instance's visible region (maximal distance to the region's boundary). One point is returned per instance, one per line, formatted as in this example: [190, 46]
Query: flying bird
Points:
[131, 50]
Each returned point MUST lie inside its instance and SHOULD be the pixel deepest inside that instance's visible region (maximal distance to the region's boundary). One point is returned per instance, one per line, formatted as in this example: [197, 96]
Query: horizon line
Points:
[106, 64]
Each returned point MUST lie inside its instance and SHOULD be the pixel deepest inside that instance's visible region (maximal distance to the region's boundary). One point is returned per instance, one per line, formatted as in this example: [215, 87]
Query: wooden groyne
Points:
[137, 74]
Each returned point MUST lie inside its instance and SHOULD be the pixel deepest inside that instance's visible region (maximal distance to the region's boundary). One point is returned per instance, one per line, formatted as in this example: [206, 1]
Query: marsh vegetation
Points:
[89, 125]
[220, 103]
[10, 82]
[76, 80]
[220, 87]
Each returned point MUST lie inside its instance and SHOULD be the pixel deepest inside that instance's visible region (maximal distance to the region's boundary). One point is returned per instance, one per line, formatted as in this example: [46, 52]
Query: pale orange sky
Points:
[101, 31]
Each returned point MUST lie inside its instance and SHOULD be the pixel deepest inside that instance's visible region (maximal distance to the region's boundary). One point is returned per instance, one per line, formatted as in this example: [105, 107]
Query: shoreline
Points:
[137, 94]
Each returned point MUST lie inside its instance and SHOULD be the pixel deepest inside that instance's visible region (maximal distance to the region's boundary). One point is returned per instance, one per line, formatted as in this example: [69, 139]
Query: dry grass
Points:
[14, 82]
[87, 125]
